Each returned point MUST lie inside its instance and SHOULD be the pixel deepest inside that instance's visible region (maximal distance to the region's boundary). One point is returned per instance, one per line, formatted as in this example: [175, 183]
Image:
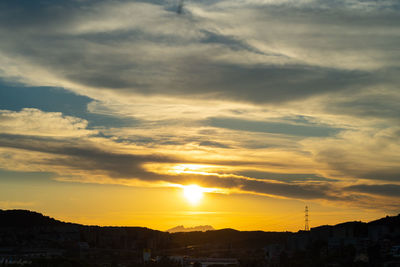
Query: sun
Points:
[193, 193]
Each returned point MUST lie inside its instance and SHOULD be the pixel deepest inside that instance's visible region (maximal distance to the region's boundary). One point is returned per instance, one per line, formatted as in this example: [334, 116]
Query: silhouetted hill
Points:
[119, 237]
[25, 218]
[388, 220]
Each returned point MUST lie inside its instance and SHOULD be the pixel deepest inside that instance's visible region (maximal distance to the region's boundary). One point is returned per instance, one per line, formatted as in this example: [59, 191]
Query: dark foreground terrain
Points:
[30, 239]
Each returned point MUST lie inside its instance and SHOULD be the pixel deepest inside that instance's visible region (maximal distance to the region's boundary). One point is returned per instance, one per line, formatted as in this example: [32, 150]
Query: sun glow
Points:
[193, 193]
[193, 169]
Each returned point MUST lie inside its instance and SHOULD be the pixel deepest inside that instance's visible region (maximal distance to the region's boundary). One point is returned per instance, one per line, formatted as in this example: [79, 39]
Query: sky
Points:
[110, 110]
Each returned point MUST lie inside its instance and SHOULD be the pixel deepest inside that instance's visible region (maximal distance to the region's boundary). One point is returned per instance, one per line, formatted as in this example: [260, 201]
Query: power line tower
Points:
[306, 226]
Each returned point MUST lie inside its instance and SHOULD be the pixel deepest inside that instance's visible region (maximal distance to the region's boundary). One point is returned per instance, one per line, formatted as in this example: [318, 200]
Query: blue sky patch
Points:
[50, 99]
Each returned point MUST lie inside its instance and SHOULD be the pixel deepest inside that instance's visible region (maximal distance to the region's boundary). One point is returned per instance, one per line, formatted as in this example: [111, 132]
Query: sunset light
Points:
[193, 193]
[192, 169]
[252, 115]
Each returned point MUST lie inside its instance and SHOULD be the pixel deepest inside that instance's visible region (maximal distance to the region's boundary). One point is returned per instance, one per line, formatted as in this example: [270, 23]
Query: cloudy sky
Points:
[109, 108]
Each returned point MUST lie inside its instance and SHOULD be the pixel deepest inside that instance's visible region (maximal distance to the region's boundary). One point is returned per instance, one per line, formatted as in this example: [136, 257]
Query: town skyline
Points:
[31, 238]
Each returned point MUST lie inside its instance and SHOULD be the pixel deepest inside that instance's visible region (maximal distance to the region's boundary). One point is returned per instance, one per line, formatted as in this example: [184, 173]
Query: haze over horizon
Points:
[235, 114]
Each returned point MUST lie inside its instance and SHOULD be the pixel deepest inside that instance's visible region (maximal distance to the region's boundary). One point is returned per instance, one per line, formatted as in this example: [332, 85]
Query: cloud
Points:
[284, 177]
[293, 99]
[32, 121]
[104, 162]
[83, 155]
[372, 105]
[371, 153]
[388, 190]
[273, 127]
[213, 144]
[213, 50]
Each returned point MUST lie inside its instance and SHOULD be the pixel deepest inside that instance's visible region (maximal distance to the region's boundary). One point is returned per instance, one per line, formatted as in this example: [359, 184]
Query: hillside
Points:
[25, 218]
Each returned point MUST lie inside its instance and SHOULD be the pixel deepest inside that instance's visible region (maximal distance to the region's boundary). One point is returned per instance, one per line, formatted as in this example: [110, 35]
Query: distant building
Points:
[146, 255]
[299, 241]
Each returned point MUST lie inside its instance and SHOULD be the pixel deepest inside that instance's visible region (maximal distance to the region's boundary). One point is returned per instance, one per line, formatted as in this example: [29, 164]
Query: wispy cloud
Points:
[291, 99]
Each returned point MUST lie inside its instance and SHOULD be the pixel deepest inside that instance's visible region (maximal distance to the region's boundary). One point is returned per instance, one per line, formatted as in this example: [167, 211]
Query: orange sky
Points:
[164, 208]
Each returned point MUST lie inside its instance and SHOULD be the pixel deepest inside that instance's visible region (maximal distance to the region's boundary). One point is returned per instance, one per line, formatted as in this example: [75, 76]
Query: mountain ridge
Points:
[198, 228]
